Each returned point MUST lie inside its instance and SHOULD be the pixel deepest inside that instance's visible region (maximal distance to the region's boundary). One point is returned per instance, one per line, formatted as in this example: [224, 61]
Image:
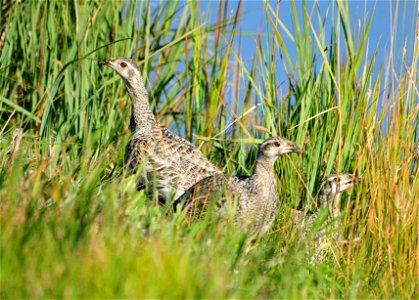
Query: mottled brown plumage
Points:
[170, 162]
[328, 206]
[328, 199]
[257, 195]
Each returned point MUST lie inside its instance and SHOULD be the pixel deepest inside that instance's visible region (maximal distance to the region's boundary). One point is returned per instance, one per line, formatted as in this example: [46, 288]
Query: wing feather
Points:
[174, 162]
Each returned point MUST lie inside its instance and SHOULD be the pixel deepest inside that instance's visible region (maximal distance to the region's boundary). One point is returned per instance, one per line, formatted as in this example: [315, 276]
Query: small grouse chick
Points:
[169, 161]
[257, 195]
[327, 199]
[331, 189]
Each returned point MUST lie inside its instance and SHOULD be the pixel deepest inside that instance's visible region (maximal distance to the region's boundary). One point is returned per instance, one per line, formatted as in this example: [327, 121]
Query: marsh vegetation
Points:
[72, 222]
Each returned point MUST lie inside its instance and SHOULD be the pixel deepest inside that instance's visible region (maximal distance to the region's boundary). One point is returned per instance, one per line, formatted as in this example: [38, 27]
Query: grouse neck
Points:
[264, 167]
[334, 206]
[330, 200]
[141, 114]
[324, 196]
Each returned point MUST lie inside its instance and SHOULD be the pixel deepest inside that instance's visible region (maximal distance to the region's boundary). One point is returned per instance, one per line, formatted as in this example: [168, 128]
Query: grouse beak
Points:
[297, 149]
[351, 181]
[293, 148]
[106, 62]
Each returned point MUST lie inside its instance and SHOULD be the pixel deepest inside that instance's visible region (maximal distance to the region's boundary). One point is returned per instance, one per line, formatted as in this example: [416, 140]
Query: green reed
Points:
[73, 224]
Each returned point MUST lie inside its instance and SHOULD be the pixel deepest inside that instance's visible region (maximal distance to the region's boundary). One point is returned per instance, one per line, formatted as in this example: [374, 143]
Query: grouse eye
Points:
[277, 144]
[123, 65]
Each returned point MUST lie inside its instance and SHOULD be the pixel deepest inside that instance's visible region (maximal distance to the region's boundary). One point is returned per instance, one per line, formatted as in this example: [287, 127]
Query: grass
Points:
[73, 224]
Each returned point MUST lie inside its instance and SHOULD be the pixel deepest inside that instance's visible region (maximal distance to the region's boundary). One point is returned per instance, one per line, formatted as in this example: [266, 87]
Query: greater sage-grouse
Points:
[170, 162]
[257, 195]
[328, 202]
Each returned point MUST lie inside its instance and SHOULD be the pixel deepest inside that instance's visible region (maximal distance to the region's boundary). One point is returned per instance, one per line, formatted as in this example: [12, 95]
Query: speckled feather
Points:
[257, 194]
[172, 161]
[328, 202]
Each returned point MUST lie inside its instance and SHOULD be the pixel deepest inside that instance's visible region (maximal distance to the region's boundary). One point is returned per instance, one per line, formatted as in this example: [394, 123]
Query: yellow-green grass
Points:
[73, 224]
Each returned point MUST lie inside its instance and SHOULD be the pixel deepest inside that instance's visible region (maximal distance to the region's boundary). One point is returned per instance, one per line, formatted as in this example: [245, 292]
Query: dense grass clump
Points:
[73, 224]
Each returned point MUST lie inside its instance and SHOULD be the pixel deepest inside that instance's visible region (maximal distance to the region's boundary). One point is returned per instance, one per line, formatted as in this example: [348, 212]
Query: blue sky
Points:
[386, 13]
[392, 29]
[254, 17]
